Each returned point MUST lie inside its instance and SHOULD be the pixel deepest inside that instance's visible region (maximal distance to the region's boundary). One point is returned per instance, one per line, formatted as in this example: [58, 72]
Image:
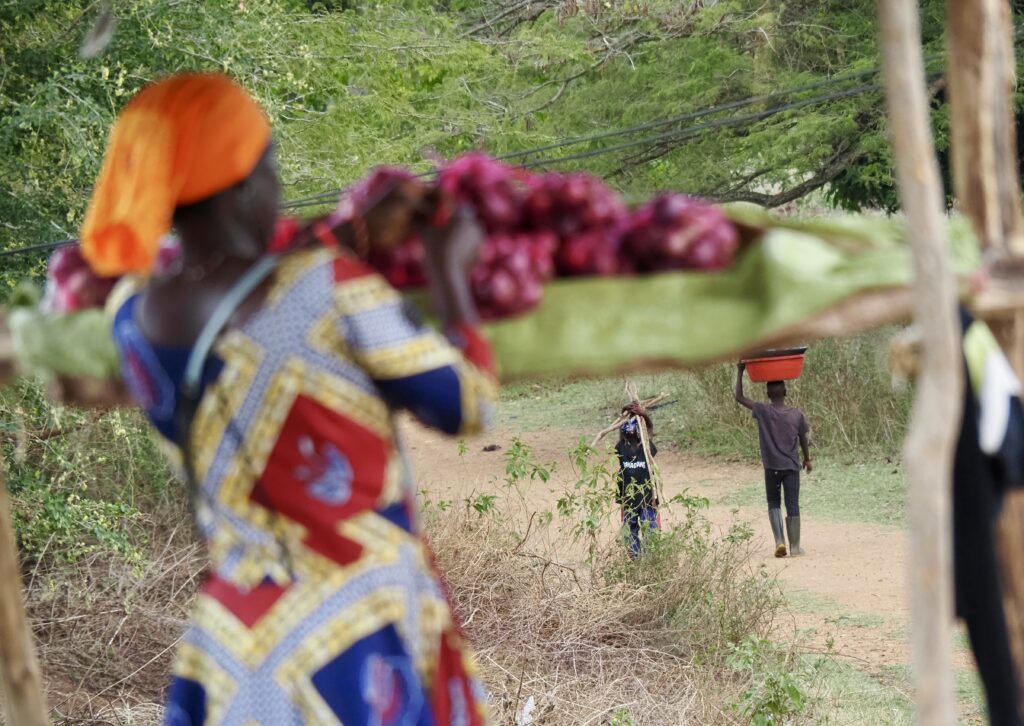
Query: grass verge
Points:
[871, 491]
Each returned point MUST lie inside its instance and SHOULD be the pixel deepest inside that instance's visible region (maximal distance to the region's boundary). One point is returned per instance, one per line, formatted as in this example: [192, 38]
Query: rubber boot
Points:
[793, 530]
[775, 517]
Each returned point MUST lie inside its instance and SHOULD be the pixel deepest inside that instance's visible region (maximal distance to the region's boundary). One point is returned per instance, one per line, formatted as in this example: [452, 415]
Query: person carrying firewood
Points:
[780, 428]
[636, 492]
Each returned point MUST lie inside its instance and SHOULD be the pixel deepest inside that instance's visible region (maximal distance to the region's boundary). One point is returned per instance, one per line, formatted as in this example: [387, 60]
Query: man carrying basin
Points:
[780, 429]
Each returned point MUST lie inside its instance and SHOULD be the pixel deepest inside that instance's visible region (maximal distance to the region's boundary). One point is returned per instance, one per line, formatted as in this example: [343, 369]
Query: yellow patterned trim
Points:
[424, 353]
[327, 338]
[292, 267]
[394, 489]
[350, 400]
[196, 665]
[435, 618]
[382, 540]
[242, 359]
[477, 390]
[378, 609]
[365, 293]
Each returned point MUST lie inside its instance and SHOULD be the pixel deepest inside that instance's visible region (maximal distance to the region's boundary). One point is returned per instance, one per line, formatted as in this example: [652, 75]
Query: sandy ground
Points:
[850, 588]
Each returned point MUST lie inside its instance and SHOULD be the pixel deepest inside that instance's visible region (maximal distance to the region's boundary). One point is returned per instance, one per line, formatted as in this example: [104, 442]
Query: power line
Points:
[674, 135]
[682, 134]
[42, 247]
[321, 197]
[691, 115]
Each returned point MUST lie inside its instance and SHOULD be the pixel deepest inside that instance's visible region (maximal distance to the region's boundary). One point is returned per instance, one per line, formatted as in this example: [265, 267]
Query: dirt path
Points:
[849, 590]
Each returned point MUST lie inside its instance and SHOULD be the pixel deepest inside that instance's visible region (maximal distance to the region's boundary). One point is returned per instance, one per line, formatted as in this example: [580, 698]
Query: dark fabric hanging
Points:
[979, 481]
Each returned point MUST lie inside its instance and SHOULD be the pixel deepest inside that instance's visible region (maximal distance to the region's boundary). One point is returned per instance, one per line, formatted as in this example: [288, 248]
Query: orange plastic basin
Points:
[775, 368]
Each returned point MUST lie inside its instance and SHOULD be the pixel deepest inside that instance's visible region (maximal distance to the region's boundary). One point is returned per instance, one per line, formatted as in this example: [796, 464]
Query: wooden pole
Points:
[935, 418]
[984, 141]
[19, 670]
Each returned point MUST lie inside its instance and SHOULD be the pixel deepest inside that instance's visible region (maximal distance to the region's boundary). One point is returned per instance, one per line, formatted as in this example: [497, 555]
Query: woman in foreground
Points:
[274, 378]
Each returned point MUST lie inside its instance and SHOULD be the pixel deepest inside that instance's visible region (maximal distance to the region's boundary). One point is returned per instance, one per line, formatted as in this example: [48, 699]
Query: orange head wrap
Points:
[177, 141]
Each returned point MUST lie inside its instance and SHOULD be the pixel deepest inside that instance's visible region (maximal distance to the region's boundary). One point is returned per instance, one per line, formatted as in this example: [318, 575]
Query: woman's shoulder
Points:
[342, 264]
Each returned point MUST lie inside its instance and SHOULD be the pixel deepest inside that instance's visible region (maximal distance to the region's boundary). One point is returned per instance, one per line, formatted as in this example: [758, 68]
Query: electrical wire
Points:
[682, 134]
[42, 247]
[674, 135]
[321, 197]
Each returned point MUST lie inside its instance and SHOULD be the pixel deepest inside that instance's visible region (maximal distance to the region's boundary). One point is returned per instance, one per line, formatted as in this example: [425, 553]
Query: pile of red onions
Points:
[537, 226]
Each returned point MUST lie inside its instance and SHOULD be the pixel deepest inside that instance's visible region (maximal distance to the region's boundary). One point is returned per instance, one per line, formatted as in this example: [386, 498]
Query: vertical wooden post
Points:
[19, 670]
[984, 141]
[937, 396]
[981, 79]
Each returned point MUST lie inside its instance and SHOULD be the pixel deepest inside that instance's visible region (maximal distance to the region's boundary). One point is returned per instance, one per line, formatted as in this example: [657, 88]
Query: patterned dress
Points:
[321, 604]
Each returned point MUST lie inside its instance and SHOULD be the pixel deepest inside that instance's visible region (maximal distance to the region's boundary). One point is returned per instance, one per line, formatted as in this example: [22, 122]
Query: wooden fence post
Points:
[935, 419]
[24, 702]
[980, 80]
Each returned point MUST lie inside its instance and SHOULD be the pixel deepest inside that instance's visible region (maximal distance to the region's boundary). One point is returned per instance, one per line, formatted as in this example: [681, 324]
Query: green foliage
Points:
[589, 504]
[520, 469]
[80, 484]
[352, 84]
[778, 688]
[482, 503]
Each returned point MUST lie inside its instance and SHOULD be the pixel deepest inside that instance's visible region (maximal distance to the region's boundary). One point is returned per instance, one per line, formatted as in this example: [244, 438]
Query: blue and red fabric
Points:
[321, 603]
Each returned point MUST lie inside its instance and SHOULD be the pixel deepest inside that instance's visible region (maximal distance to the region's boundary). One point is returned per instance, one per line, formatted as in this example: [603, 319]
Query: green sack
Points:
[76, 344]
[794, 270]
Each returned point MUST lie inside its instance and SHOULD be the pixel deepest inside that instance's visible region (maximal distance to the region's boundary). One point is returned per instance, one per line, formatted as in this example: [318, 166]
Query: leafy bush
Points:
[80, 482]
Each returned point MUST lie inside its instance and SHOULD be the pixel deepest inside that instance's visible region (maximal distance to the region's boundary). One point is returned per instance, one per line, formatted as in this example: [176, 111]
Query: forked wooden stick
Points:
[604, 432]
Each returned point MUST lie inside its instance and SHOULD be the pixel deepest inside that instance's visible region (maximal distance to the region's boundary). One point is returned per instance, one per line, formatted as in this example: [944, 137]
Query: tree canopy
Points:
[351, 84]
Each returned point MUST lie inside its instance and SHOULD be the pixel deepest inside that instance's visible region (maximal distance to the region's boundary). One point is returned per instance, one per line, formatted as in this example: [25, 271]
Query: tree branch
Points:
[832, 169]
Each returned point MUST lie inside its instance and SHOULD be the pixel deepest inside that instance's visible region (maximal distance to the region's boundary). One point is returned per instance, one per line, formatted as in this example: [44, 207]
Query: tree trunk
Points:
[937, 397]
[19, 670]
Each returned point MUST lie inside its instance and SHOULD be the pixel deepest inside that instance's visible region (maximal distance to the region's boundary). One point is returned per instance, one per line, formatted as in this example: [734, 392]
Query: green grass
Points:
[970, 695]
[854, 696]
[846, 695]
[812, 602]
[857, 620]
[841, 491]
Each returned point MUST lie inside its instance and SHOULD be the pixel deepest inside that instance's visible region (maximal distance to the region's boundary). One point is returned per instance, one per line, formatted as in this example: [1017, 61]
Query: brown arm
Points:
[90, 392]
[740, 398]
[807, 454]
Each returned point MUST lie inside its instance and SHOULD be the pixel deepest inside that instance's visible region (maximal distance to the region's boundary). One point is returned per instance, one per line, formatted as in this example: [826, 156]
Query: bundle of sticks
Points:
[629, 411]
[637, 409]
